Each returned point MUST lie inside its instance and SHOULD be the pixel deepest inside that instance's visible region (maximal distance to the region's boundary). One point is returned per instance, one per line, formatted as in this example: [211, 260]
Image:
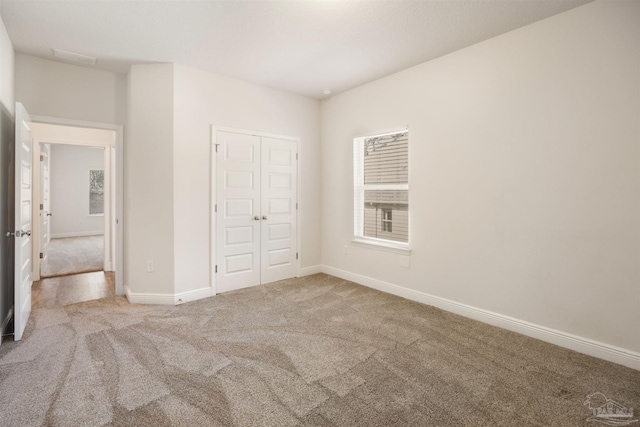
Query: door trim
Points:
[38, 189]
[213, 195]
[114, 156]
[109, 219]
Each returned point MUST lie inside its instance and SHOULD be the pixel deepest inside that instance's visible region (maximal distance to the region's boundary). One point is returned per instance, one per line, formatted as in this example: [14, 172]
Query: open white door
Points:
[23, 181]
[45, 206]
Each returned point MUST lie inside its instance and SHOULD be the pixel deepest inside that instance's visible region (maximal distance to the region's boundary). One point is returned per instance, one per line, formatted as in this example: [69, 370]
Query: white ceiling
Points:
[297, 46]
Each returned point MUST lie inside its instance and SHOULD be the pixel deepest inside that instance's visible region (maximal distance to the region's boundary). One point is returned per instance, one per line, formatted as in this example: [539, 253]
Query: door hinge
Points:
[216, 269]
[215, 208]
[216, 147]
[42, 157]
[41, 206]
[296, 205]
[41, 255]
[296, 156]
[296, 255]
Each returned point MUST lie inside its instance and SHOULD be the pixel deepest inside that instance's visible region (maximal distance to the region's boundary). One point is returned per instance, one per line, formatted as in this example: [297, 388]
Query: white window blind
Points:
[381, 188]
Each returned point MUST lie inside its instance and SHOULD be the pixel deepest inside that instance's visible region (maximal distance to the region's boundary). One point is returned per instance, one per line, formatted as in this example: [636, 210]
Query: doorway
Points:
[72, 211]
[76, 226]
[256, 209]
[27, 152]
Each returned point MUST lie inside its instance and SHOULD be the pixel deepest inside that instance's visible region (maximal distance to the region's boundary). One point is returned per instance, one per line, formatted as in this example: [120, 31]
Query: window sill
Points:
[382, 246]
[90, 215]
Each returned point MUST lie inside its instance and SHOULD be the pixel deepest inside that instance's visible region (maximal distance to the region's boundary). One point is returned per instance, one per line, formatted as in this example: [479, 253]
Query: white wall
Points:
[7, 64]
[524, 174]
[202, 99]
[56, 89]
[171, 110]
[69, 180]
[149, 180]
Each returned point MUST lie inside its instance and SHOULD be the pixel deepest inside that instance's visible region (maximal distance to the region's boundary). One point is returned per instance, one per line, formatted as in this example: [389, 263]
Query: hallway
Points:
[74, 255]
[64, 290]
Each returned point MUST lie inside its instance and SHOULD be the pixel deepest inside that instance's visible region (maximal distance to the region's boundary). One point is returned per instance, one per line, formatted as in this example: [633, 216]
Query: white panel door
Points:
[238, 211]
[23, 188]
[45, 211]
[256, 217]
[278, 219]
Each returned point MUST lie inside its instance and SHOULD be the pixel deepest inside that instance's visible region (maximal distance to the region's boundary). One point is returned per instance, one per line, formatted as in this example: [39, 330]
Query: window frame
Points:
[386, 219]
[359, 188]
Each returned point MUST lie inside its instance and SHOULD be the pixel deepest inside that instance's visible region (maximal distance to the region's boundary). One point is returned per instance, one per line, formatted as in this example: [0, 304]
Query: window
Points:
[381, 189]
[96, 192]
[386, 220]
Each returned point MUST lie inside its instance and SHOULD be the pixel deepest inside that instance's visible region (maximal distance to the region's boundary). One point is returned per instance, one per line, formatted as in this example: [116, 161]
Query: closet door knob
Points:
[256, 218]
[264, 217]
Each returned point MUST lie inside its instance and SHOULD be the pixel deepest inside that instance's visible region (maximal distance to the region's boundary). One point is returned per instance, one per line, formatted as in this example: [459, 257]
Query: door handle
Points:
[256, 218]
[264, 217]
[10, 233]
[20, 233]
[48, 213]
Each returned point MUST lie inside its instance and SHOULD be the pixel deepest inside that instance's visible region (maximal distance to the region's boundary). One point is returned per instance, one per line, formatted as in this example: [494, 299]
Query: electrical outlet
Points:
[346, 249]
[150, 267]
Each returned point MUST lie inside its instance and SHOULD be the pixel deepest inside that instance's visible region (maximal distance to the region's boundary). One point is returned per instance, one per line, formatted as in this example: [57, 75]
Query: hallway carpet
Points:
[314, 351]
[73, 255]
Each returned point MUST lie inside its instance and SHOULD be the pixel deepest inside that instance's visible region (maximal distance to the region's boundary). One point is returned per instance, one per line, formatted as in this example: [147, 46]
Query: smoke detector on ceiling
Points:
[76, 58]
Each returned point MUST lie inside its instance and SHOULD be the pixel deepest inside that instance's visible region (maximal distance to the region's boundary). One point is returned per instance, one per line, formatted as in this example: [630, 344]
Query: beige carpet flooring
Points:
[73, 255]
[315, 351]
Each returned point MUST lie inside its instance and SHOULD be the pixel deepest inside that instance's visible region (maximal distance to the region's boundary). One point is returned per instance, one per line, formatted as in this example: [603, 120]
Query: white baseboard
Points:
[194, 295]
[587, 346]
[167, 299]
[140, 298]
[308, 271]
[77, 234]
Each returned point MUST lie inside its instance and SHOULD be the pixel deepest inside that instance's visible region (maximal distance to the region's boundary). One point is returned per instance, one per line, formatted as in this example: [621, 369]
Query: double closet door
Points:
[255, 210]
